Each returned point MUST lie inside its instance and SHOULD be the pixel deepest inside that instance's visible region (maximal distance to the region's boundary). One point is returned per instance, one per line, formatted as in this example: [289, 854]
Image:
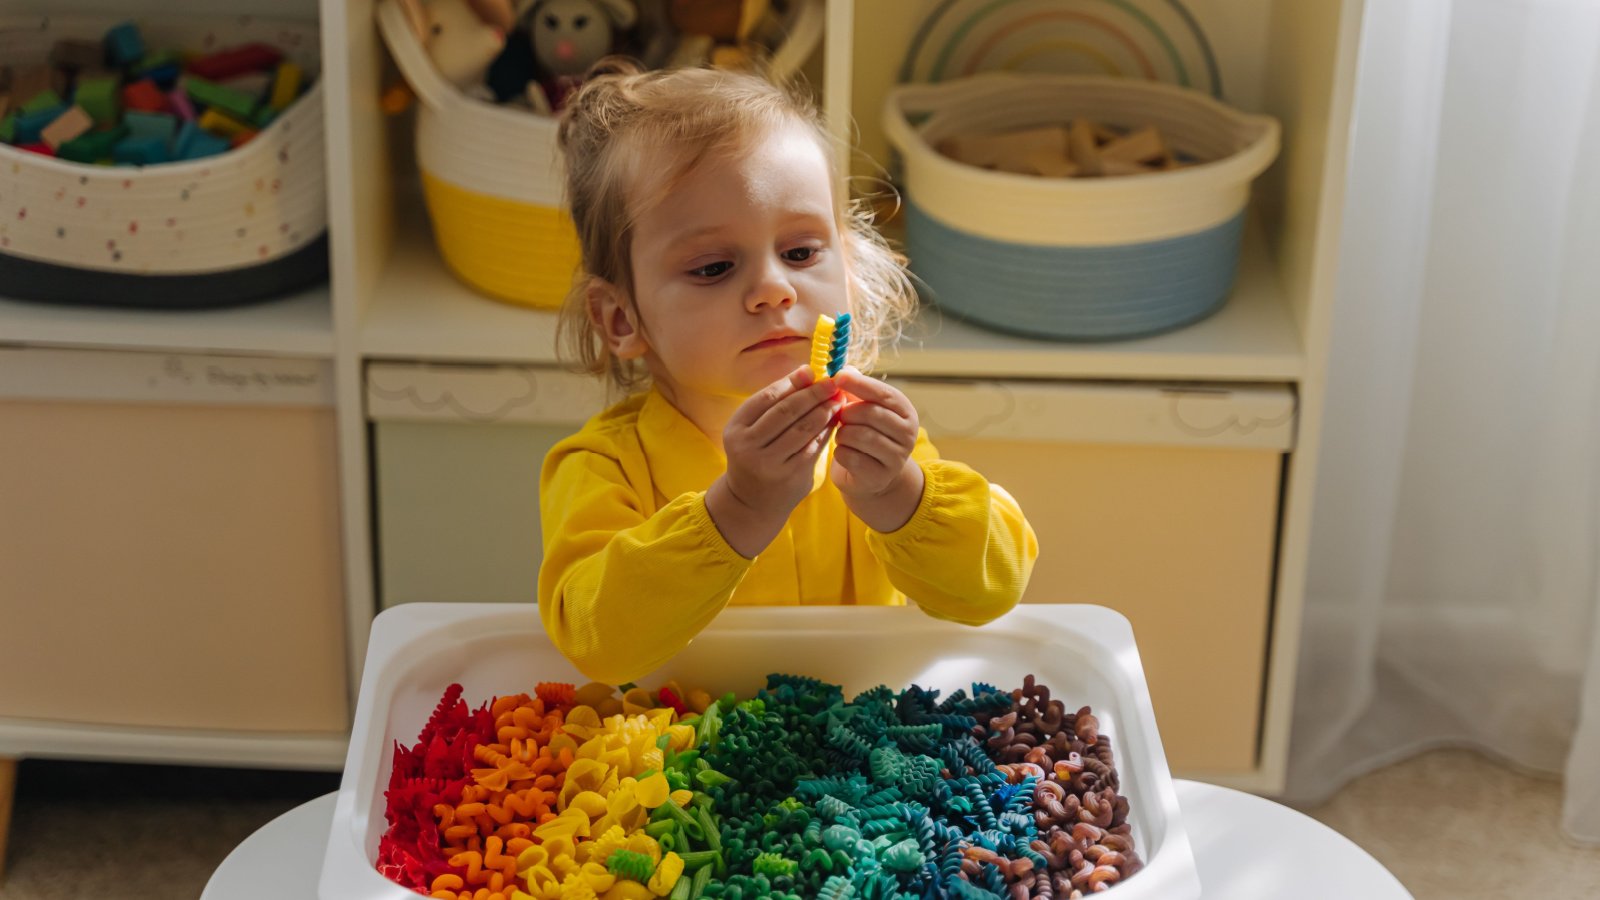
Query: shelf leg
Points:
[8, 788]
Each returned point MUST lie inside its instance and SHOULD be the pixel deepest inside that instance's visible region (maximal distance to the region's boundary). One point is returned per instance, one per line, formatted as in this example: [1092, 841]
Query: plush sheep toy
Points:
[569, 36]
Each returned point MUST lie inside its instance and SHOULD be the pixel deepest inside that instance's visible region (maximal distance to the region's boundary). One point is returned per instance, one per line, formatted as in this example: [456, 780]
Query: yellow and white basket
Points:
[492, 176]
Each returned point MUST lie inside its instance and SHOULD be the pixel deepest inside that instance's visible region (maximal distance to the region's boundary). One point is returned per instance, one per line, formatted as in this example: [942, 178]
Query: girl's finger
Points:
[871, 442]
[851, 381]
[802, 432]
[858, 464]
[900, 433]
[786, 412]
[763, 400]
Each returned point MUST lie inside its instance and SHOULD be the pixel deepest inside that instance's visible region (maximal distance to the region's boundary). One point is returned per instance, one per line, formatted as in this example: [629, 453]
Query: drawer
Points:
[456, 457]
[169, 534]
[1158, 501]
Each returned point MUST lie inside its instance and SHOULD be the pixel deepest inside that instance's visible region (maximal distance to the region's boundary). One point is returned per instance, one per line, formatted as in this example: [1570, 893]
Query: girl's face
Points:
[732, 268]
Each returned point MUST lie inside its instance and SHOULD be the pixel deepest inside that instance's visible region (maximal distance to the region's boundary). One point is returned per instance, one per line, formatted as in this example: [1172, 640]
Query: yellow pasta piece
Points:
[666, 876]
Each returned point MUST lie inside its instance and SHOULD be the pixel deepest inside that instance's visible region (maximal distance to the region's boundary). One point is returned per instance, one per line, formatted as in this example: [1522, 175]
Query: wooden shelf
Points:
[421, 311]
[299, 325]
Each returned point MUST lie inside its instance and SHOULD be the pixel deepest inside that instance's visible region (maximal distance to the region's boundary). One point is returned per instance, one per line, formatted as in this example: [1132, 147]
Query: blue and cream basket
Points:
[1089, 259]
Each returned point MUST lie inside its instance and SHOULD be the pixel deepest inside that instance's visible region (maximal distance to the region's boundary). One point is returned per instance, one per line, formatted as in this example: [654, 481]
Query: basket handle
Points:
[409, 56]
[907, 100]
[805, 32]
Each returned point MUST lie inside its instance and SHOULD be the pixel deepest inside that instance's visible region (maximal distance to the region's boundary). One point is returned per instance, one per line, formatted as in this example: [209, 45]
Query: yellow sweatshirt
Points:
[634, 567]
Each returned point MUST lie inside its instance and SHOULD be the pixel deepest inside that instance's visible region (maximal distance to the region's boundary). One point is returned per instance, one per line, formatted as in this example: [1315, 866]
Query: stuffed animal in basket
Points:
[716, 31]
[461, 37]
[567, 37]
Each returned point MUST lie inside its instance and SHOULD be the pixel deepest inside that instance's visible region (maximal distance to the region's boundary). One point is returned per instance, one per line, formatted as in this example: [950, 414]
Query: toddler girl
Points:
[712, 238]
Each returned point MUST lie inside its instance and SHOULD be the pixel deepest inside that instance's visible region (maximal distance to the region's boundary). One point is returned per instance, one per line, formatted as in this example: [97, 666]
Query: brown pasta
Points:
[1082, 819]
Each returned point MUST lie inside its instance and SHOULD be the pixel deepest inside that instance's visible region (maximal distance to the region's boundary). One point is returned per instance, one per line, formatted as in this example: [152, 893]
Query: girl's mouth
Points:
[780, 341]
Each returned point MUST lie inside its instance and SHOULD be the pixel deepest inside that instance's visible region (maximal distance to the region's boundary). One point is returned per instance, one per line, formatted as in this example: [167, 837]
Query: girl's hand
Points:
[872, 462]
[772, 443]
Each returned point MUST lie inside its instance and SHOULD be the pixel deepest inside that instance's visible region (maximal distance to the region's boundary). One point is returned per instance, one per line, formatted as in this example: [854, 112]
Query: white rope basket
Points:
[250, 206]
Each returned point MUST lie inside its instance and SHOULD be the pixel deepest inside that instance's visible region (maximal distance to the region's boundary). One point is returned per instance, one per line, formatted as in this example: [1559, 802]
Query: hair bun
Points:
[614, 65]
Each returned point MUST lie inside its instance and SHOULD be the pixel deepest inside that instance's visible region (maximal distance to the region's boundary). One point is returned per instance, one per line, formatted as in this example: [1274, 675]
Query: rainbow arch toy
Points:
[1156, 40]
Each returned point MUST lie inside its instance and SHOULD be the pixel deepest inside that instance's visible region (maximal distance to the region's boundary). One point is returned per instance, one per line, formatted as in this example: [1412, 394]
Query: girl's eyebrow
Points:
[810, 216]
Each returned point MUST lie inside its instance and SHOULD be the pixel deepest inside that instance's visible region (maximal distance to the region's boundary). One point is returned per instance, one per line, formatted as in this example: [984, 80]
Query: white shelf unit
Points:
[392, 299]
[301, 325]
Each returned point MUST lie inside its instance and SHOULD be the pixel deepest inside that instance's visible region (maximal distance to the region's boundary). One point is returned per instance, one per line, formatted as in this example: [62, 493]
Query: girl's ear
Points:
[615, 320]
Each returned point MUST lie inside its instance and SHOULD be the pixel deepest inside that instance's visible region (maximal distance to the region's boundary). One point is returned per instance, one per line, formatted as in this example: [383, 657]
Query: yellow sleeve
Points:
[603, 585]
[967, 552]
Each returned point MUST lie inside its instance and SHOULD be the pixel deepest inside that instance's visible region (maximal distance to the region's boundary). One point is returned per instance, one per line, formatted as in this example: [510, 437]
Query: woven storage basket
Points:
[244, 226]
[1076, 258]
[492, 176]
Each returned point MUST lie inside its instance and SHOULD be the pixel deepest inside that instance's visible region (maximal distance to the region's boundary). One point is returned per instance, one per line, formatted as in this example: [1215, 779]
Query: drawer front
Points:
[1159, 503]
[169, 534]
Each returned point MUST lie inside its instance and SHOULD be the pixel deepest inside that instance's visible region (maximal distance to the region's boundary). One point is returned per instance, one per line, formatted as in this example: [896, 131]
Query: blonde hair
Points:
[620, 113]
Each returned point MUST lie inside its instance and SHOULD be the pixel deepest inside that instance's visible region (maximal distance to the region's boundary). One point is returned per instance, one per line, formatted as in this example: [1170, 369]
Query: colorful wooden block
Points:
[1142, 146]
[91, 147]
[39, 148]
[220, 123]
[255, 84]
[8, 127]
[264, 116]
[30, 125]
[179, 102]
[99, 98]
[163, 67]
[144, 95]
[242, 138]
[67, 126]
[211, 94]
[1005, 150]
[141, 151]
[142, 125]
[45, 99]
[95, 145]
[157, 59]
[123, 44]
[285, 86]
[1050, 163]
[1083, 149]
[236, 61]
[195, 143]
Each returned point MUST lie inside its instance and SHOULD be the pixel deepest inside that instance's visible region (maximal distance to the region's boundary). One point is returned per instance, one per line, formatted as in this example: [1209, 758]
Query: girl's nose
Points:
[772, 289]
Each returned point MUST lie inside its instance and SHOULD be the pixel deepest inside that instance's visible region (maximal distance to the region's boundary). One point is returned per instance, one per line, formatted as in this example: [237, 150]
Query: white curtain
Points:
[1453, 596]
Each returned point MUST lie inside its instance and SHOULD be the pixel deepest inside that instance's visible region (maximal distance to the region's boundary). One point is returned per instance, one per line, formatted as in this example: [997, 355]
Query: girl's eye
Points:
[712, 270]
[800, 254]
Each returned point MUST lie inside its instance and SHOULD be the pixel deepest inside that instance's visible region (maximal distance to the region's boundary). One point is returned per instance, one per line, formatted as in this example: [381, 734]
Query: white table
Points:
[1245, 847]
[1248, 847]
